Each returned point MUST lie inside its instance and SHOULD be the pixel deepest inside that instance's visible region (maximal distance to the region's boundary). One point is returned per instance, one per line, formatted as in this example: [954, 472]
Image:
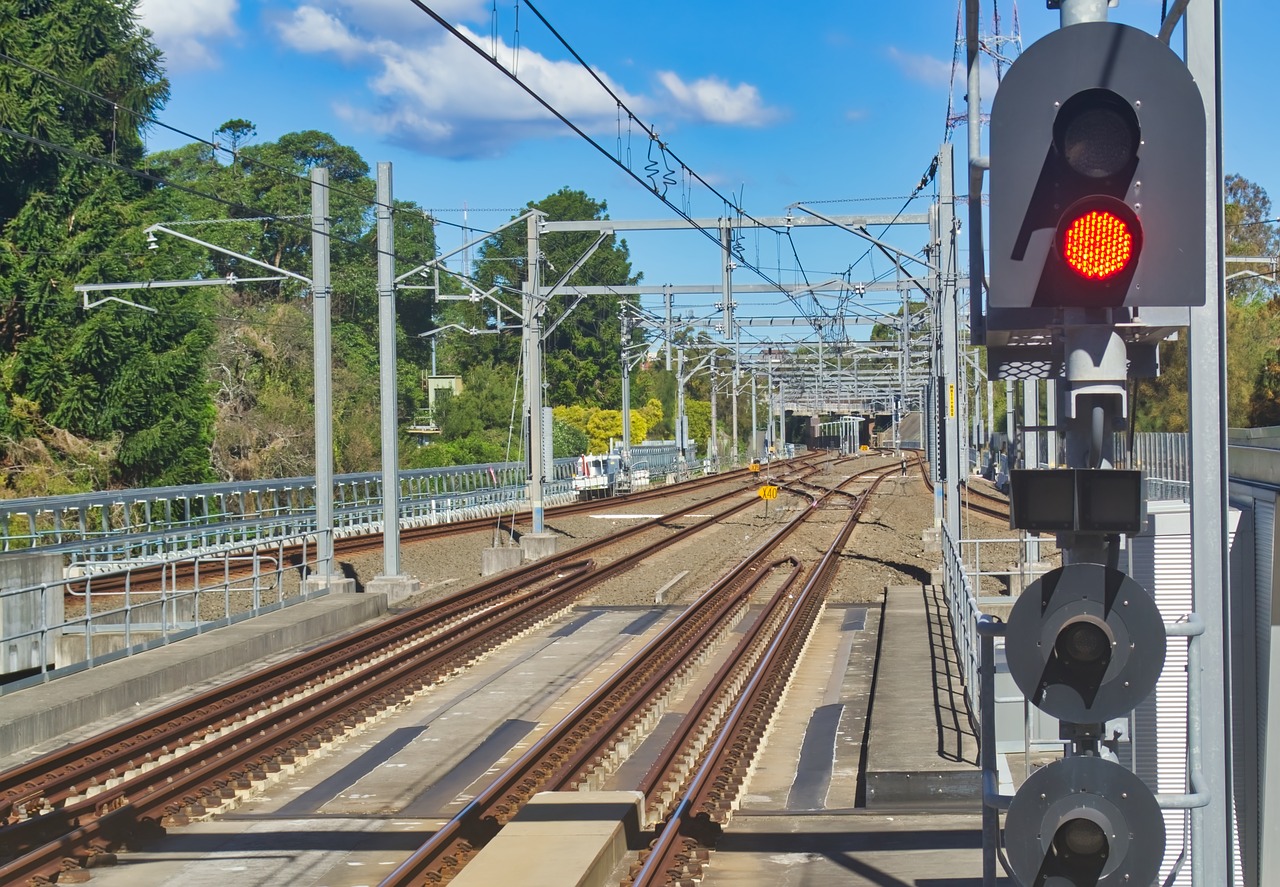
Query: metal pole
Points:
[946, 261]
[1074, 12]
[626, 391]
[1031, 454]
[668, 299]
[533, 374]
[978, 163]
[713, 448]
[1211, 832]
[771, 442]
[755, 400]
[323, 367]
[782, 422]
[387, 376]
[737, 380]
[991, 417]
[682, 434]
[726, 277]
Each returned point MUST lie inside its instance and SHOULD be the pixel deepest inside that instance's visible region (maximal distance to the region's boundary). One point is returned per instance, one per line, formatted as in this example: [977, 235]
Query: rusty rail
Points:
[682, 845]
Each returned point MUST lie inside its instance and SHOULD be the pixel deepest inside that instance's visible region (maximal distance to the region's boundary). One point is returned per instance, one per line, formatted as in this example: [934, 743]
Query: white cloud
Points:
[185, 30]
[434, 93]
[314, 30]
[714, 100]
[924, 68]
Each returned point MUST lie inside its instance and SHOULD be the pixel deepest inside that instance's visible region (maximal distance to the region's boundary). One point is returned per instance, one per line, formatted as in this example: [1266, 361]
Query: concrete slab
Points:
[922, 747]
[860, 849]
[560, 839]
[396, 588]
[499, 559]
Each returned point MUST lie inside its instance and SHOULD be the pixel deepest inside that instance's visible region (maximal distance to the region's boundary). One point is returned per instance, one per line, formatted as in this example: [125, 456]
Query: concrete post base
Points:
[396, 588]
[536, 546]
[932, 540]
[499, 559]
[336, 583]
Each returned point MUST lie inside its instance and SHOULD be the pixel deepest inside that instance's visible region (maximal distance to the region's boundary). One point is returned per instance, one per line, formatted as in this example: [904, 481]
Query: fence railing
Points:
[157, 522]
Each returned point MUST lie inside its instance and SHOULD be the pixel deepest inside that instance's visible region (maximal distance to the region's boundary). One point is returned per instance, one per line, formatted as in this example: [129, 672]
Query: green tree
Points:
[651, 412]
[699, 413]
[567, 440]
[114, 373]
[1253, 326]
[604, 426]
[483, 408]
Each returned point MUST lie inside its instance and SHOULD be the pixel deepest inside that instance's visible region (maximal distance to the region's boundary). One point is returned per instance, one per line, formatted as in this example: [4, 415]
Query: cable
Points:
[148, 119]
[159, 180]
[653, 135]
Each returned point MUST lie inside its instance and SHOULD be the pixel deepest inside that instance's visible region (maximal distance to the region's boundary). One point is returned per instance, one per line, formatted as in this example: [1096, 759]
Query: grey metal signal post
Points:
[1098, 251]
[322, 364]
[1211, 827]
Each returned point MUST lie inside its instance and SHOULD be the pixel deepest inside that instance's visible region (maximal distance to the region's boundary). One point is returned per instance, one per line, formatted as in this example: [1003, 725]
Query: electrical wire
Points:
[652, 133]
[155, 121]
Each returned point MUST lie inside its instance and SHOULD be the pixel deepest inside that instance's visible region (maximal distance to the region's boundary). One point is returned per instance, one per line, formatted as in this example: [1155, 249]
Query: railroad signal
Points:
[1085, 643]
[1097, 170]
[1083, 821]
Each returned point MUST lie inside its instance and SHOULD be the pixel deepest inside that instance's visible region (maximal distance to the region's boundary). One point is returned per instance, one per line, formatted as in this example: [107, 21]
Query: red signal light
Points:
[1099, 238]
[1097, 245]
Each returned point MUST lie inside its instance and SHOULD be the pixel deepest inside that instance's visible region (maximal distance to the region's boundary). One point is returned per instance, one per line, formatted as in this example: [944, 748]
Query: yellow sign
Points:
[754, 467]
[767, 492]
[951, 400]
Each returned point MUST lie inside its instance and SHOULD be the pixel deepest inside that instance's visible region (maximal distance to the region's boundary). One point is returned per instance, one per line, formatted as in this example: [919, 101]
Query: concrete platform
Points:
[819, 815]
[850, 850]
[65, 706]
[922, 747]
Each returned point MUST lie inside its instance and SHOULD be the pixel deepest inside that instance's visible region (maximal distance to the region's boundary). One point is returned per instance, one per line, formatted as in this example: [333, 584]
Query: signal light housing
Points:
[1084, 820]
[1085, 643]
[1097, 160]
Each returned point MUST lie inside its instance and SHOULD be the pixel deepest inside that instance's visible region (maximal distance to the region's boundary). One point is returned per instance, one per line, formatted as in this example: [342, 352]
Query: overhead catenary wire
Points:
[151, 120]
[652, 133]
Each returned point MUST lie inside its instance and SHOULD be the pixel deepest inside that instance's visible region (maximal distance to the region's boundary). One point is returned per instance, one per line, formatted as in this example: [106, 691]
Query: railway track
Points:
[72, 809]
[154, 577]
[975, 500]
[717, 737]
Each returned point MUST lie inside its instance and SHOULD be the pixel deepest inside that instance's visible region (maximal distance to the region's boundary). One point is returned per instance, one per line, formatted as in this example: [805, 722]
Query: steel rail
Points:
[450, 847]
[559, 759]
[675, 856]
[24, 837]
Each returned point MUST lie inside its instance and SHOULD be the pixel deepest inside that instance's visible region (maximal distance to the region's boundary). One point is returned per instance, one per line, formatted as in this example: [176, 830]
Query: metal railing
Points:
[79, 620]
[222, 552]
[157, 522]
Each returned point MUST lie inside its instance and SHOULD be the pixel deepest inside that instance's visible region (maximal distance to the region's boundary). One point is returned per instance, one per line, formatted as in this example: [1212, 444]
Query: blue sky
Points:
[773, 103]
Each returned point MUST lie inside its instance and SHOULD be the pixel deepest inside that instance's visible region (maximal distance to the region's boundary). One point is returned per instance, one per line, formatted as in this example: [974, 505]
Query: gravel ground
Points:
[886, 548]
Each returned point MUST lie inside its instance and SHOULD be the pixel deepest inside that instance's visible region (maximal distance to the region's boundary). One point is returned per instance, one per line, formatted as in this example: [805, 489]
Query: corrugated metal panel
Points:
[1264, 522]
[1264, 538]
[1162, 563]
